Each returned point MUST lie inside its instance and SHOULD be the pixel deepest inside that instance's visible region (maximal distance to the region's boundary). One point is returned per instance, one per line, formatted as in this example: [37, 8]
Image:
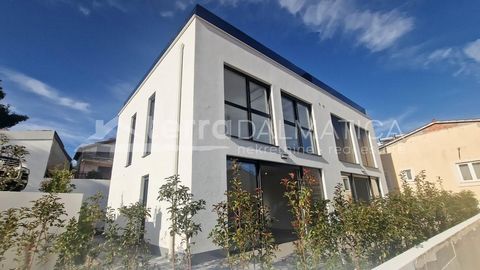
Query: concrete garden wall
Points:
[72, 204]
[455, 248]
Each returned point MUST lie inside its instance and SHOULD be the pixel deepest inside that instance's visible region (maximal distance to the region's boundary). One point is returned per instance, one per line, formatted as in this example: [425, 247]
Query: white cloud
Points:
[167, 13]
[472, 50]
[439, 55]
[293, 6]
[84, 10]
[326, 16]
[65, 132]
[39, 88]
[395, 125]
[376, 31]
[121, 90]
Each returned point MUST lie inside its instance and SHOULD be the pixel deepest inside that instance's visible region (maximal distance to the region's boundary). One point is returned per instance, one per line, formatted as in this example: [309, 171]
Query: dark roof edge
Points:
[62, 146]
[243, 37]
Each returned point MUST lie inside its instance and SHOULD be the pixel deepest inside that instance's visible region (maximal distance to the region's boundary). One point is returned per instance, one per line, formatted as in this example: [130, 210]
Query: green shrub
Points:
[77, 245]
[370, 234]
[34, 237]
[126, 243]
[242, 226]
[8, 229]
[60, 182]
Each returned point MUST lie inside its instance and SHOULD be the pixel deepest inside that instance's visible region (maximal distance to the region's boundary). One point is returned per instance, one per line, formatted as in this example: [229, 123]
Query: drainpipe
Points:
[177, 144]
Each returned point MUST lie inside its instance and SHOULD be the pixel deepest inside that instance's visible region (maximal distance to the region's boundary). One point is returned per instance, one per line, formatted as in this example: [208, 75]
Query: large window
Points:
[149, 131]
[469, 171]
[361, 188]
[131, 139]
[267, 176]
[363, 140]
[298, 124]
[247, 107]
[343, 140]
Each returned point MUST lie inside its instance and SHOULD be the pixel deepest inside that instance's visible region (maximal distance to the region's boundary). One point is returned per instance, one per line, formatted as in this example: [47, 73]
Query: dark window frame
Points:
[144, 189]
[149, 125]
[299, 174]
[352, 143]
[144, 198]
[249, 108]
[369, 178]
[131, 139]
[299, 170]
[370, 148]
[298, 127]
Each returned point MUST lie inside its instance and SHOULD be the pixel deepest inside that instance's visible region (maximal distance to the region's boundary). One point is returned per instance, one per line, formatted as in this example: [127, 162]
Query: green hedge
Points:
[352, 235]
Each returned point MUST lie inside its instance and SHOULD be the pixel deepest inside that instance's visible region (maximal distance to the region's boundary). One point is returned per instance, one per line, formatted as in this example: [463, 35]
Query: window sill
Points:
[350, 163]
[469, 183]
[250, 140]
[303, 152]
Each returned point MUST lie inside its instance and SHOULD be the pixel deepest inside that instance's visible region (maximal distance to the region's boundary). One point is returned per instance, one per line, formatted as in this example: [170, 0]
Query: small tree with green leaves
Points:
[77, 245]
[60, 182]
[8, 230]
[242, 226]
[182, 210]
[126, 243]
[35, 237]
[307, 215]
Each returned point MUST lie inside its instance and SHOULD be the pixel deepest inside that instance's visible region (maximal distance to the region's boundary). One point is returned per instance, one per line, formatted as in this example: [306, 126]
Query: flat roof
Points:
[223, 25]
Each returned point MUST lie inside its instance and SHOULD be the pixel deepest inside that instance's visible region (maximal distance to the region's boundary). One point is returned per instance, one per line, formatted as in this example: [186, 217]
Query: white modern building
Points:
[233, 98]
[46, 152]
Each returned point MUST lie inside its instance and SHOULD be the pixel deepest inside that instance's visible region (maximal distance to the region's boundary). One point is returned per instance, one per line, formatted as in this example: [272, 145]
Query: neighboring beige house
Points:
[94, 161]
[46, 152]
[446, 149]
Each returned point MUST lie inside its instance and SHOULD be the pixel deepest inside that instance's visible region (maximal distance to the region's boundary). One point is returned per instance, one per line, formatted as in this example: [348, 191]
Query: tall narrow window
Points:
[247, 107]
[131, 139]
[144, 195]
[149, 131]
[144, 190]
[365, 147]
[343, 140]
[298, 125]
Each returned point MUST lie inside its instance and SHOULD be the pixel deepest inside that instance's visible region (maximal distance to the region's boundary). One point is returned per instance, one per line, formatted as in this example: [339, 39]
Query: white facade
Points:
[45, 152]
[194, 65]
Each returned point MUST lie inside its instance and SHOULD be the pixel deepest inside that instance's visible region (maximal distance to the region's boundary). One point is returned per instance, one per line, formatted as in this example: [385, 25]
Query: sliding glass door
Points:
[267, 176]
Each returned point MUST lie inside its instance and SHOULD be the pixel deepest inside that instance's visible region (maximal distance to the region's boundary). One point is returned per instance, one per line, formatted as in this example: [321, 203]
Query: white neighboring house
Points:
[212, 73]
[46, 152]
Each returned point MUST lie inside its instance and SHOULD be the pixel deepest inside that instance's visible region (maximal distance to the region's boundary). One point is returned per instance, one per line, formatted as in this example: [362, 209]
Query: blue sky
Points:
[69, 63]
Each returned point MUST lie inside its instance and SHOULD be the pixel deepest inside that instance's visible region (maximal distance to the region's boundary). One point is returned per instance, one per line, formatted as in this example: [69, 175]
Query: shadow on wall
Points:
[390, 172]
[152, 229]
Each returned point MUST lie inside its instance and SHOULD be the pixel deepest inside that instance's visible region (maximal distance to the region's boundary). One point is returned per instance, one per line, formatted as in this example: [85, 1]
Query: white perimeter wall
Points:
[90, 187]
[72, 204]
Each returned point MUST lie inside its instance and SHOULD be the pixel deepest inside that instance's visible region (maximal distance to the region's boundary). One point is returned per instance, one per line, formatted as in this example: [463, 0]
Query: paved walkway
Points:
[284, 261]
